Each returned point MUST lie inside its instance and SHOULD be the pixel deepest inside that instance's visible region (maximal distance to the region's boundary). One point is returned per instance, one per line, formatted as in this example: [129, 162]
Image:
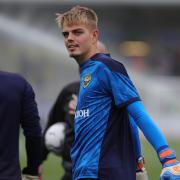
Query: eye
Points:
[65, 34]
[77, 33]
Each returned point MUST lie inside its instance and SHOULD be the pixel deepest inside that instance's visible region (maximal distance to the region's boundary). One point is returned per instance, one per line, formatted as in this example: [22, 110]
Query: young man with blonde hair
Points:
[141, 173]
[103, 147]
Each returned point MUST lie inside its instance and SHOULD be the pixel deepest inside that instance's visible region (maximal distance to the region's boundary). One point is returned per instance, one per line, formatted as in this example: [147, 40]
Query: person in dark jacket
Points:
[18, 108]
[60, 113]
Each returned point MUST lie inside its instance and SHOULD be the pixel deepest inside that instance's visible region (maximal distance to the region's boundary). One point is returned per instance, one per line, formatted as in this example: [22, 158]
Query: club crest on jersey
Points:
[86, 80]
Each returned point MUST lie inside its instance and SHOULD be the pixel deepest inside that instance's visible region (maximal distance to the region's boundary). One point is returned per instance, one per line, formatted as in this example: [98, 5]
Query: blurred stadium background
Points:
[143, 34]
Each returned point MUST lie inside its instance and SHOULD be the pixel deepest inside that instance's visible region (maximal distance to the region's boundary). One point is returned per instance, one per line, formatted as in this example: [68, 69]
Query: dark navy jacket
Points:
[18, 107]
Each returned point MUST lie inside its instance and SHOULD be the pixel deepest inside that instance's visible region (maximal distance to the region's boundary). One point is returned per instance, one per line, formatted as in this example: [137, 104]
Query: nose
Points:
[70, 37]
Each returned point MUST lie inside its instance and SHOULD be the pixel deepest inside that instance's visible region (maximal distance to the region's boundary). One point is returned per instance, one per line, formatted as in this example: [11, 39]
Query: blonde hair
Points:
[78, 15]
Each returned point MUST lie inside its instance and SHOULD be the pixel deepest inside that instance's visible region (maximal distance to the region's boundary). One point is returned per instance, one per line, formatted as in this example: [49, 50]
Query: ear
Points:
[95, 35]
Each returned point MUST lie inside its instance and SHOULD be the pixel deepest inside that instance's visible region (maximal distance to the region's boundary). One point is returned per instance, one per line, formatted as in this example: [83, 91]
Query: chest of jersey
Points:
[91, 91]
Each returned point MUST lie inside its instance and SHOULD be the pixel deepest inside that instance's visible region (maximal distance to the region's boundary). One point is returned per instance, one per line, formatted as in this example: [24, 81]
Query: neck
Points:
[82, 58]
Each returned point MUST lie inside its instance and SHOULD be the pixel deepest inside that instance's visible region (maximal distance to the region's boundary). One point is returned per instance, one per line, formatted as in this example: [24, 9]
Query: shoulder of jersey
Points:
[112, 64]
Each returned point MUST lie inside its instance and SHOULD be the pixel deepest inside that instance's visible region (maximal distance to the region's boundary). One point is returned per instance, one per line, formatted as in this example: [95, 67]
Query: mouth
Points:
[72, 46]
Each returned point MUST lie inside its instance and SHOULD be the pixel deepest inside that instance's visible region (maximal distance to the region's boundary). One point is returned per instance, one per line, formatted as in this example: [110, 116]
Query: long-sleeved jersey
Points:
[103, 146]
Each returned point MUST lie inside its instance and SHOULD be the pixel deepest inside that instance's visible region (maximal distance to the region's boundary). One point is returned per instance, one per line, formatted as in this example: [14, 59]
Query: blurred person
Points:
[103, 147]
[60, 113]
[18, 108]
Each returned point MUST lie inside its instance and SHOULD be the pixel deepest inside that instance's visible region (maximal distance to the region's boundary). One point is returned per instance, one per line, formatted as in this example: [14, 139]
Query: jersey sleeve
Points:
[147, 125]
[119, 85]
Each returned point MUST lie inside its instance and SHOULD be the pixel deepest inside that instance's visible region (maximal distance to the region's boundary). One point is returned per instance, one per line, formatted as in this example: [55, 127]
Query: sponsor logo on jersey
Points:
[82, 113]
[87, 80]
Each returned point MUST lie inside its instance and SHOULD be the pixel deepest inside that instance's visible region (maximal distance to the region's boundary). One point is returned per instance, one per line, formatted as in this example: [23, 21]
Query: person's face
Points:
[80, 41]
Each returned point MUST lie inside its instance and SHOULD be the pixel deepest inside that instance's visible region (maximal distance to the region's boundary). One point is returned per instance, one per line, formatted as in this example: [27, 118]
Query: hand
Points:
[40, 171]
[171, 172]
[29, 177]
[141, 173]
[30, 173]
[171, 167]
[72, 104]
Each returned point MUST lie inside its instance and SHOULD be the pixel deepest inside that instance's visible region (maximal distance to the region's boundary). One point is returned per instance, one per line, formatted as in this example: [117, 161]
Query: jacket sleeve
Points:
[30, 122]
